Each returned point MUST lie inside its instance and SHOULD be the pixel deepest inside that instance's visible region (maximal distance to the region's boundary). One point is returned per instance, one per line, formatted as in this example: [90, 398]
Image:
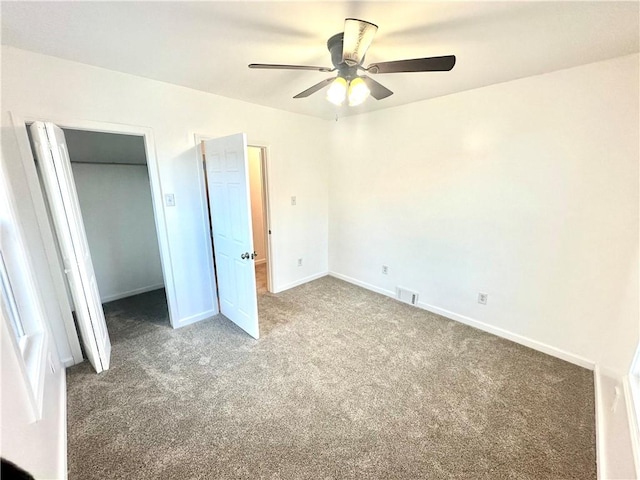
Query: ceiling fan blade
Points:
[358, 36]
[429, 64]
[315, 88]
[271, 66]
[378, 91]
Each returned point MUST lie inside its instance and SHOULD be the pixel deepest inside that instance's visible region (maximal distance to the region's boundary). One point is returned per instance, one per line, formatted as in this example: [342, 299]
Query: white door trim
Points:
[19, 122]
[205, 217]
[266, 206]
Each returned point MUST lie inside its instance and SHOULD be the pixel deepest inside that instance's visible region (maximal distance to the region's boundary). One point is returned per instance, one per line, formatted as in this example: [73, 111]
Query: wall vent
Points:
[407, 296]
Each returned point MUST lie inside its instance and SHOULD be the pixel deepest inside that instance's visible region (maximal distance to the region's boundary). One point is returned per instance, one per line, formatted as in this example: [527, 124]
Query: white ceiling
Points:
[208, 45]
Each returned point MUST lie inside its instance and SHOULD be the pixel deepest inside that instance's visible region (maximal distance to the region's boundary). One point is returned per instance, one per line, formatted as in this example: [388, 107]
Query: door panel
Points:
[228, 179]
[55, 166]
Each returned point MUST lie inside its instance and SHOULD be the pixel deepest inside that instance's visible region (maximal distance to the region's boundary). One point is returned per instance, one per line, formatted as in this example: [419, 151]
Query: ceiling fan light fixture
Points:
[337, 91]
[358, 92]
[348, 50]
[358, 36]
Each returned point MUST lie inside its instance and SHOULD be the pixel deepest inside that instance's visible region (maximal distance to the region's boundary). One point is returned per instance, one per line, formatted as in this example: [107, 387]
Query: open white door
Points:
[55, 168]
[227, 167]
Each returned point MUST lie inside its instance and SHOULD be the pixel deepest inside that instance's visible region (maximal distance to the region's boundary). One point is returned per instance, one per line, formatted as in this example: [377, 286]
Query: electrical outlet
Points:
[385, 270]
[294, 201]
[299, 262]
[482, 298]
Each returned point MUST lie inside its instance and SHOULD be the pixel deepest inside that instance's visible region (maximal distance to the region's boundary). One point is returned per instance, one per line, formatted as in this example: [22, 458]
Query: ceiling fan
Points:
[347, 50]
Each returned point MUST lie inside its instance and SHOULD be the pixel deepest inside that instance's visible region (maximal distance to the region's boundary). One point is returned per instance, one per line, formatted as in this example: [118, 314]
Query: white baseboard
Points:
[137, 291]
[308, 279]
[600, 447]
[62, 452]
[634, 417]
[500, 332]
[514, 337]
[368, 286]
[183, 322]
[68, 362]
[614, 429]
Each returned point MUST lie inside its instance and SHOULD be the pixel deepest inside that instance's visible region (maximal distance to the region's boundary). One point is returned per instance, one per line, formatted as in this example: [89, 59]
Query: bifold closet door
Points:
[55, 168]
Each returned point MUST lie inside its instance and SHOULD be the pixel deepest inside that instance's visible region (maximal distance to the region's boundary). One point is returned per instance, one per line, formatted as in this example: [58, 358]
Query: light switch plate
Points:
[169, 200]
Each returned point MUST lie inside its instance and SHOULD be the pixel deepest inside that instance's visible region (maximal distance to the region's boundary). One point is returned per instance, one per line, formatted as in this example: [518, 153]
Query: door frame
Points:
[202, 179]
[19, 122]
[266, 210]
[266, 204]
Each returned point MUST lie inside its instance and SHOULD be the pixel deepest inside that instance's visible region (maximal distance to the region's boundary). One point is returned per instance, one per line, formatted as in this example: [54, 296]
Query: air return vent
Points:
[407, 296]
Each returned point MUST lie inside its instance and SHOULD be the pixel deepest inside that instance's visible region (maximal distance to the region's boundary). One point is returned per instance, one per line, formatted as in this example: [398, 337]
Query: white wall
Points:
[257, 211]
[118, 217]
[48, 88]
[526, 190]
[37, 446]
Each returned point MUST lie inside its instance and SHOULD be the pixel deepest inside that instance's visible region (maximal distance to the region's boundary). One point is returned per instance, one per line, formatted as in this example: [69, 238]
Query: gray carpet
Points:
[344, 383]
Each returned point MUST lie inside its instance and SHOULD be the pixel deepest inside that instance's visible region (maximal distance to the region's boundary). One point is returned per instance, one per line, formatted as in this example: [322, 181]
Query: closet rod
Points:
[112, 163]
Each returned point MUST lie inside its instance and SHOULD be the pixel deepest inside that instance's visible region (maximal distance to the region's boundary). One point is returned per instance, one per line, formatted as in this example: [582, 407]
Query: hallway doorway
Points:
[259, 221]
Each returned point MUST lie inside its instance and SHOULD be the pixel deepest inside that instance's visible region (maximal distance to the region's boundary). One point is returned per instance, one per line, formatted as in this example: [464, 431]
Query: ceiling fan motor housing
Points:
[335, 45]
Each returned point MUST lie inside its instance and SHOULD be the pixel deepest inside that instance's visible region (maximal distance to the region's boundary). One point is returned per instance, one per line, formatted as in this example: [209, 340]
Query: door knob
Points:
[254, 255]
[245, 256]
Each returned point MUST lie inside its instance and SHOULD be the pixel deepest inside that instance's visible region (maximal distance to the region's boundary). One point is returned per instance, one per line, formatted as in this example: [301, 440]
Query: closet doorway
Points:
[112, 181]
[111, 177]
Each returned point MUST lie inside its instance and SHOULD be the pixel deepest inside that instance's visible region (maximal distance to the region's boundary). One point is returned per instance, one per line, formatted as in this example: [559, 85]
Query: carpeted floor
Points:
[261, 278]
[344, 383]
